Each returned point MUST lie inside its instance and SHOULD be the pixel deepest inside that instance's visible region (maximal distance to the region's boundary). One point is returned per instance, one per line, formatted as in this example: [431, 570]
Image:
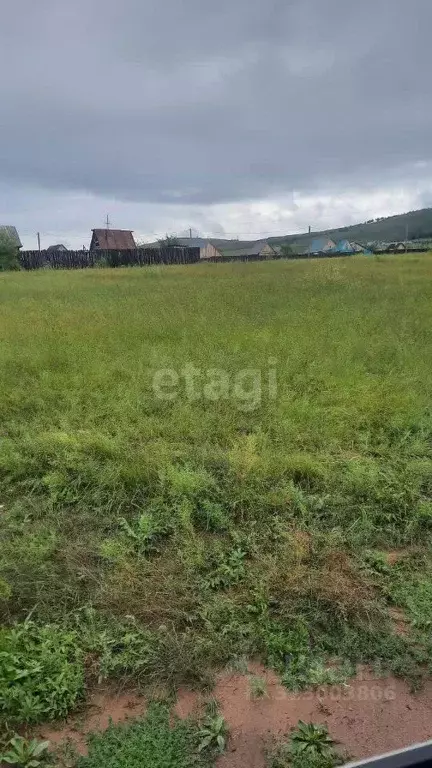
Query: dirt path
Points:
[368, 717]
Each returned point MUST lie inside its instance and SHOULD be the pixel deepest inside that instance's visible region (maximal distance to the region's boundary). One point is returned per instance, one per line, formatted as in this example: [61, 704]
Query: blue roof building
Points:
[344, 246]
[320, 245]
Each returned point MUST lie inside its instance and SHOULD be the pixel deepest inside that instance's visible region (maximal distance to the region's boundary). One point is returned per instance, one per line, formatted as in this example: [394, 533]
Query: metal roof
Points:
[193, 242]
[241, 247]
[55, 248]
[114, 239]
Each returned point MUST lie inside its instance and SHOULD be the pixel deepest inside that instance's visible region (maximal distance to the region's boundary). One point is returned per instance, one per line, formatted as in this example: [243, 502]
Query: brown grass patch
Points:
[395, 556]
[400, 621]
[332, 580]
[155, 592]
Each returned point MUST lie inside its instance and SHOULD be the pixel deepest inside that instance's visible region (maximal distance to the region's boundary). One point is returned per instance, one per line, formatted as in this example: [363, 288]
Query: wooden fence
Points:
[127, 258]
[147, 256]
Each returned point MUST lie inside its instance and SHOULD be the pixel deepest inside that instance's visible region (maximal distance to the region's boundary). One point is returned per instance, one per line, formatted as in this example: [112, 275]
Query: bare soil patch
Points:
[369, 716]
[103, 707]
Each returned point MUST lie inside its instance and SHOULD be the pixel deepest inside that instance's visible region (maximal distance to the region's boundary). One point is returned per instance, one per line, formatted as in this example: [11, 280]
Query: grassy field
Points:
[155, 524]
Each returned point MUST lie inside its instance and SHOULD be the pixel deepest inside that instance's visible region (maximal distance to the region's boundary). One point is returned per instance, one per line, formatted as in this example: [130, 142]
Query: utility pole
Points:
[38, 239]
[190, 233]
[107, 222]
[406, 236]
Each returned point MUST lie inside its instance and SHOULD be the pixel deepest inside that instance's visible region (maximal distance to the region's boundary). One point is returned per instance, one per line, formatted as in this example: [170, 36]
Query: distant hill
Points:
[418, 224]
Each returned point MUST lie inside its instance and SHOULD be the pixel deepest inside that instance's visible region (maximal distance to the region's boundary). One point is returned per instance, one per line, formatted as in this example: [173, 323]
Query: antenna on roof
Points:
[107, 222]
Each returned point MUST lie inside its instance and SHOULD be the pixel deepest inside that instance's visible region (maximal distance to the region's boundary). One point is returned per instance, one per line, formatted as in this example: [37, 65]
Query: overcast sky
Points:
[235, 117]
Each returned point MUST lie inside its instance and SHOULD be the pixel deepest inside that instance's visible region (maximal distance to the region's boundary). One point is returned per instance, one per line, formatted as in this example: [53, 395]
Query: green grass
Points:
[172, 536]
[148, 743]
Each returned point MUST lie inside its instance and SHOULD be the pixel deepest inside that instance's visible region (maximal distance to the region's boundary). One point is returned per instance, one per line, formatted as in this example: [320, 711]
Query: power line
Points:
[70, 235]
[269, 232]
[207, 236]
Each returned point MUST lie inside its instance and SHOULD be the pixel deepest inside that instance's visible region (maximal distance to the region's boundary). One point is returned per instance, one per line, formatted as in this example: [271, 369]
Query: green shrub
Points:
[8, 253]
[213, 733]
[41, 673]
[308, 746]
[311, 740]
[24, 753]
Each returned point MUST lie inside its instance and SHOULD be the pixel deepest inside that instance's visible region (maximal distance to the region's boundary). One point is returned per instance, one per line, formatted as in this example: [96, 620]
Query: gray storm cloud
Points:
[202, 103]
